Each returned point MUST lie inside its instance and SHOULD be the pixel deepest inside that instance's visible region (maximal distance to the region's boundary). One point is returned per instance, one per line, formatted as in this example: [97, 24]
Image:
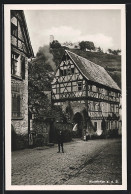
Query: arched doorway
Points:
[78, 119]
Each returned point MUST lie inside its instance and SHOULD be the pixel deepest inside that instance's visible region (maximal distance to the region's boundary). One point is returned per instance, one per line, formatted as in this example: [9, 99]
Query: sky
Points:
[103, 27]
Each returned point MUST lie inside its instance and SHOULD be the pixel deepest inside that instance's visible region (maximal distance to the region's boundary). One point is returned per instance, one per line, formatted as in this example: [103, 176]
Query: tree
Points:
[99, 50]
[55, 44]
[110, 51]
[82, 45]
[90, 45]
[46, 58]
[118, 51]
[39, 81]
[114, 52]
[39, 85]
[86, 45]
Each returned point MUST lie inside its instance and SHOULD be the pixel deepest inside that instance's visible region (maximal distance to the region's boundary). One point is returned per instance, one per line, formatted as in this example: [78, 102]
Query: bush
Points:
[19, 142]
[67, 135]
[112, 133]
[39, 140]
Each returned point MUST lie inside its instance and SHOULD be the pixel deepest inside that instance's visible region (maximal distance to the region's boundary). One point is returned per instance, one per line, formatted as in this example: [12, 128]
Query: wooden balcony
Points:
[71, 95]
[93, 94]
[102, 96]
[95, 114]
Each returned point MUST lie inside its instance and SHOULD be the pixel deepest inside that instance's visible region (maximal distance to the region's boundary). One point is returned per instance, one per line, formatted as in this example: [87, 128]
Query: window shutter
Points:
[18, 105]
[23, 67]
[16, 102]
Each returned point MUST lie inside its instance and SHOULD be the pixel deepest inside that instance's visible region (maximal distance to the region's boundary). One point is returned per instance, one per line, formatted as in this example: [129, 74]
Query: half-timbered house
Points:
[21, 50]
[87, 94]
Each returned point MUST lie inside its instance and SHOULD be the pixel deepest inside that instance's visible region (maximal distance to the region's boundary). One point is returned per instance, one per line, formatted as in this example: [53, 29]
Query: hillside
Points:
[112, 63]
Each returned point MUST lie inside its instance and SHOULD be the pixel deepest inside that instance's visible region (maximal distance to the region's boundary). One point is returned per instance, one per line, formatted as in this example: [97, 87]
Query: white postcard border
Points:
[7, 59]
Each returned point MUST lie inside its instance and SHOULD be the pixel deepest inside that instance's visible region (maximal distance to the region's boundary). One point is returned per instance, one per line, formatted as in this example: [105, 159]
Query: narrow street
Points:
[83, 163]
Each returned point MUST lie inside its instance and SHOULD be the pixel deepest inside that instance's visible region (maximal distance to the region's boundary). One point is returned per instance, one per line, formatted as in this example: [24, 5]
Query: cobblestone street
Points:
[83, 163]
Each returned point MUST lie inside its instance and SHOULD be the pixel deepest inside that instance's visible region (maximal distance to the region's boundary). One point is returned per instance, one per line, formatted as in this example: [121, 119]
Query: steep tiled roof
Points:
[26, 33]
[92, 71]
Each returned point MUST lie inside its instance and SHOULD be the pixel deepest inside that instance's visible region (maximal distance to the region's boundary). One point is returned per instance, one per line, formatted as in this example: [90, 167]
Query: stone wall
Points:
[41, 130]
[75, 107]
[21, 125]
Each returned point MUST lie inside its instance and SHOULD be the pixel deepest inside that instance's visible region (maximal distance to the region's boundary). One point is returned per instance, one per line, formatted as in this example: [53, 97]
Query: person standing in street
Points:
[60, 141]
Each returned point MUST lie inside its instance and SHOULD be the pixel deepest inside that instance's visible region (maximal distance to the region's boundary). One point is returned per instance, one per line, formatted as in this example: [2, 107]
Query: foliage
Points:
[45, 57]
[55, 44]
[116, 75]
[67, 135]
[86, 45]
[99, 50]
[113, 133]
[39, 81]
[114, 52]
[57, 54]
[41, 74]
[40, 78]
[19, 141]
[38, 141]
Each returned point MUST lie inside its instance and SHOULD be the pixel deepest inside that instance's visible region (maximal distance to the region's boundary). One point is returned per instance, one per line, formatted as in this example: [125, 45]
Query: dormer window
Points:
[69, 71]
[61, 72]
[72, 70]
[80, 86]
[64, 72]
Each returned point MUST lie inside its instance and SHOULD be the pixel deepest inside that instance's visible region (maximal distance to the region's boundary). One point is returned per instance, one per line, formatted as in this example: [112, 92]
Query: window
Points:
[72, 70]
[80, 86]
[97, 106]
[94, 88]
[14, 27]
[61, 72]
[14, 30]
[23, 67]
[112, 107]
[16, 101]
[101, 90]
[57, 89]
[117, 108]
[18, 65]
[68, 71]
[92, 106]
[64, 72]
[14, 63]
[90, 87]
[116, 94]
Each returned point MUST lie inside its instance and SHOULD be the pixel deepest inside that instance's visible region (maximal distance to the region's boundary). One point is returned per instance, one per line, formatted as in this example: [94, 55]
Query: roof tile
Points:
[93, 71]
